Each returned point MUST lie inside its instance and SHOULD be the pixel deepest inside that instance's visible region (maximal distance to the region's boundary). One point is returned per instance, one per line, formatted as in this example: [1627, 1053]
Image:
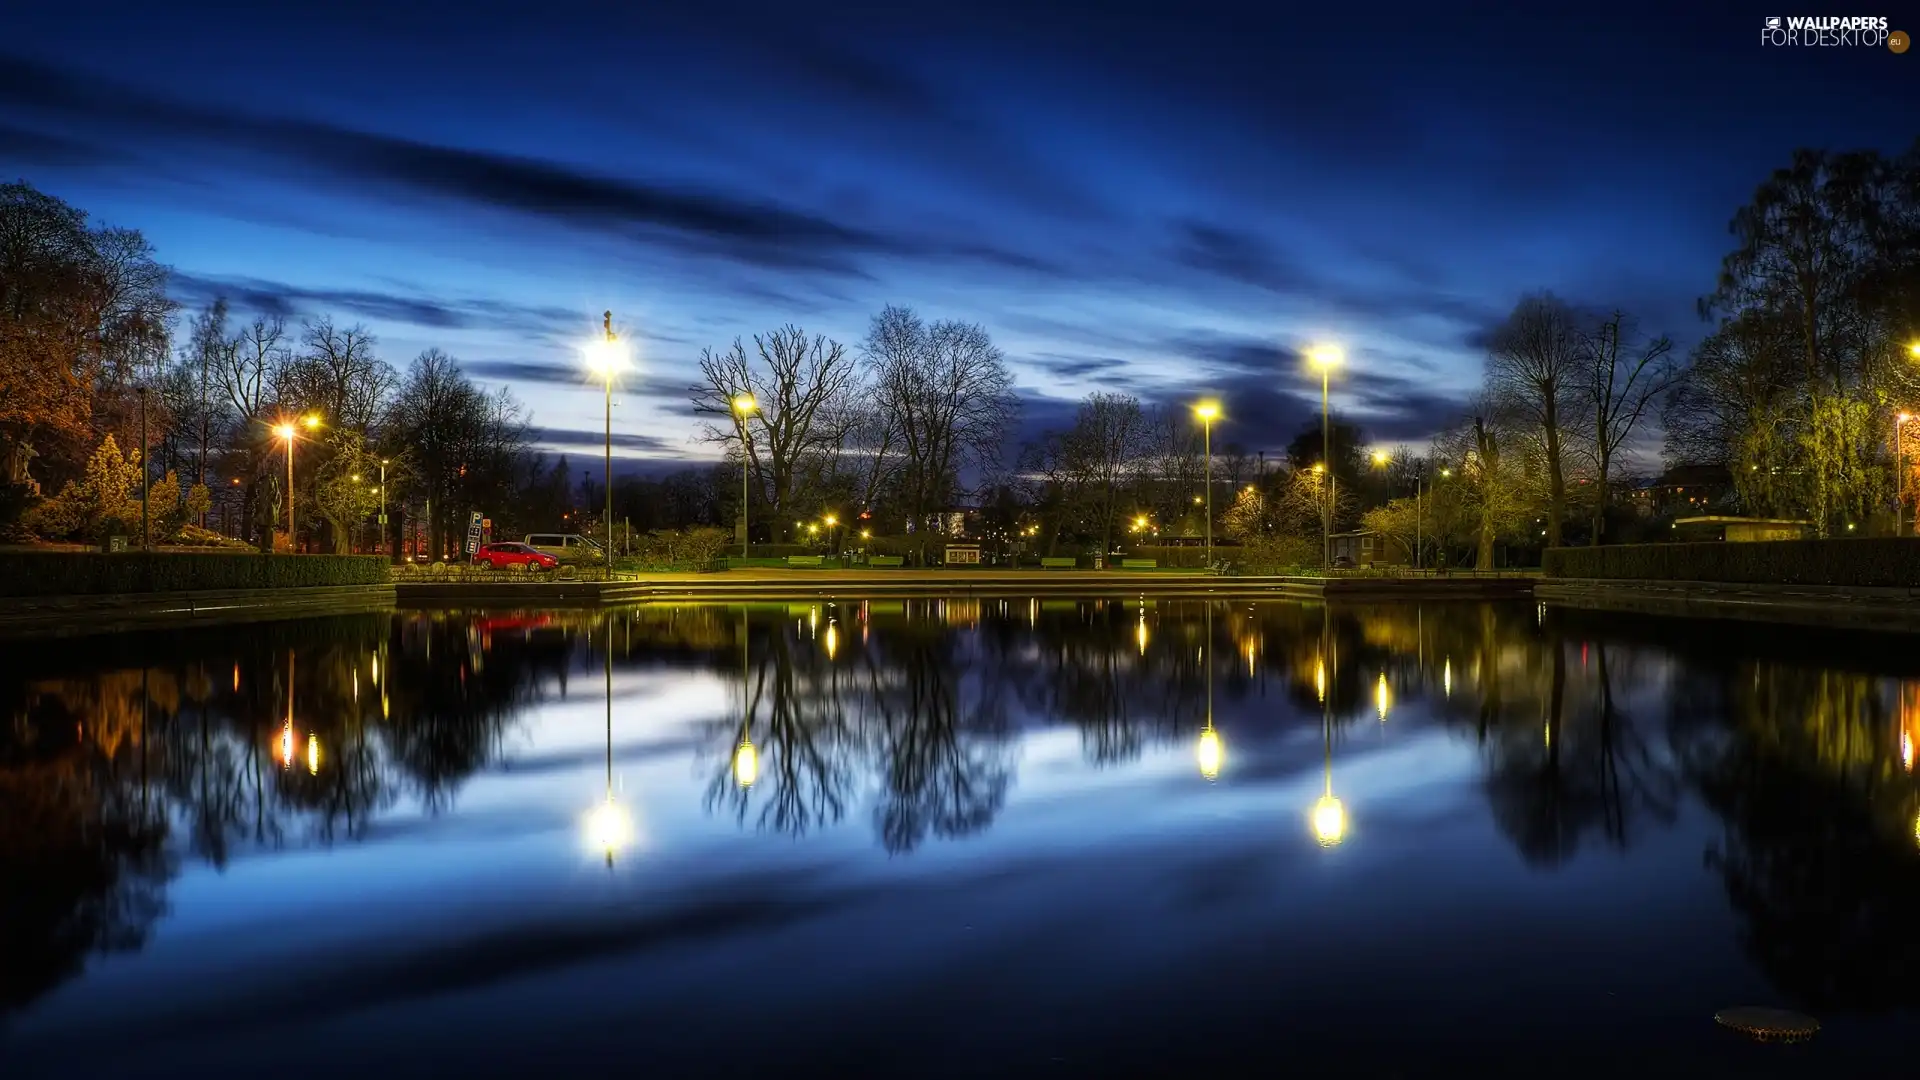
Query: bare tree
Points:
[800, 387]
[1488, 493]
[208, 353]
[1534, 377]
[339, 374]
[1105, 449]
[946, 388]
[252, 371]
[1625, 374]
[1173, 471]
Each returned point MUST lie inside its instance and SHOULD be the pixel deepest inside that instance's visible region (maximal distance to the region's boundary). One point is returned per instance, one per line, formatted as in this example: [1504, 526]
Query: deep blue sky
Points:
[1169, 199]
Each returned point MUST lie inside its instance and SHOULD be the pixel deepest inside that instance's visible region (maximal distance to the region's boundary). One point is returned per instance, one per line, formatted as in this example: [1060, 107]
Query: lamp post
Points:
[1900, 476]
[289, 432]
[385, 540]
[1208, 412]
[744, 406]
[606, 360]
[1326, 358]
[145, 531]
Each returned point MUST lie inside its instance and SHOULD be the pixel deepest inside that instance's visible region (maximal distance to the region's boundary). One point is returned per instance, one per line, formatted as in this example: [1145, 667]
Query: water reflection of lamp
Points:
[1140, 631]
[1446, 677]
[1209, 753]
[746, 760]
[833, 639]
[608, 826]
[1382, 697]
[313, 754]
[1320, 679]
[286, 730]
[1329, 817]
[1906, 751]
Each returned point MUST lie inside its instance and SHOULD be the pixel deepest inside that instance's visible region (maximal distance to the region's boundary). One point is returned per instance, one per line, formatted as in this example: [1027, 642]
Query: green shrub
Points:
[1277, 554]
[1191, 556]
[80, 573]
[1879, 561]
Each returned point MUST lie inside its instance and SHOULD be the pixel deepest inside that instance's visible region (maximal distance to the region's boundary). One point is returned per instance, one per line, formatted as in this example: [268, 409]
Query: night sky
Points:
[1166, 199]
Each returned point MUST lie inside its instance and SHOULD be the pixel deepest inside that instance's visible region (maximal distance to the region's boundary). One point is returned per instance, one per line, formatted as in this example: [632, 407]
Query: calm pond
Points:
[956, 838]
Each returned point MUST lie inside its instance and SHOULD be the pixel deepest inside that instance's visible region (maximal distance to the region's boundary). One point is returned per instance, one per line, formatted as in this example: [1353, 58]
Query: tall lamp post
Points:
[744, 406]
[385, 539]
[146, 532]
[607, 360]
[1208, 412]
[287, 431]
[1900, 475]
[1325, 358]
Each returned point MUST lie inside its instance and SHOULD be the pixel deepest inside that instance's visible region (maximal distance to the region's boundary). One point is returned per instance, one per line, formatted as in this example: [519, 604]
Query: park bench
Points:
[803, 560]
[1058, 564]
[1139, 564]
[887, 560]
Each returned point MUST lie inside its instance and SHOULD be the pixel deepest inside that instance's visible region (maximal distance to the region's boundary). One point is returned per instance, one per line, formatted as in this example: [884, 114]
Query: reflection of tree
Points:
[1818, 855]
[81, 860]
[100, 749]
[930, 725]
[1583, 771]
[945, 766]
[805, 738]
[450, 694]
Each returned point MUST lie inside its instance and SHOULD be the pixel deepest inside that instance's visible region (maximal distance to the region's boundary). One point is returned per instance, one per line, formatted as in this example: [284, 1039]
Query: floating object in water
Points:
[1768, 1025]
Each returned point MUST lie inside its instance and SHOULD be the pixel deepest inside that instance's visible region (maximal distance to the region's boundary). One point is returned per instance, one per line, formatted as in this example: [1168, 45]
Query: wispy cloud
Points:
[689, 218]
[399, 306]
[571, 439]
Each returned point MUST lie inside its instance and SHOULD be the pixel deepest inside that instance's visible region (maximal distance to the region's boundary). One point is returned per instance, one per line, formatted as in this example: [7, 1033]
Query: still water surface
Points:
[956, 838]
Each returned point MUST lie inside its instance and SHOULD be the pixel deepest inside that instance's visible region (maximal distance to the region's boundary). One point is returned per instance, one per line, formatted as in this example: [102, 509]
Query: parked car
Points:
[567, 547]
[505, 556]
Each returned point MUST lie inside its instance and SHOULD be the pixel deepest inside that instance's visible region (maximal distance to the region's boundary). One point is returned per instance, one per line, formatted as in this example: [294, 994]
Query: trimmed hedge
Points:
[1877, 561]
[89, 573]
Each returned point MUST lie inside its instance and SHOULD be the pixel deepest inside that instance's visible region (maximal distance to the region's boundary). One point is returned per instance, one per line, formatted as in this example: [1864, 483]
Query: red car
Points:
[503, 556]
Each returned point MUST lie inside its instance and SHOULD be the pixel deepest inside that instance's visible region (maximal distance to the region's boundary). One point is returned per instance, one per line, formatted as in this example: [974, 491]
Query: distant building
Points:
[1736, 530]
[1686, 490]
[1368, 548]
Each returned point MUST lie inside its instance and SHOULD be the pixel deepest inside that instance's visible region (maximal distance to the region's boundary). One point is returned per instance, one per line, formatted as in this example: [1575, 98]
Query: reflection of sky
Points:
[1107, 912]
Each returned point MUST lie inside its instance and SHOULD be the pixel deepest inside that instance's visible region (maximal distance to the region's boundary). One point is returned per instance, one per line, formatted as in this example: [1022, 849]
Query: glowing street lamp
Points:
[744, 406]
[1208, 412]
[607, 358]
[287, 431]
[1381, 458]
[1324, 358]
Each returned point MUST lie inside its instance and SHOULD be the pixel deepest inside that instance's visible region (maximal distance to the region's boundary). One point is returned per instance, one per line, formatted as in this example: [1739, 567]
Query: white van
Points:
[567, 547]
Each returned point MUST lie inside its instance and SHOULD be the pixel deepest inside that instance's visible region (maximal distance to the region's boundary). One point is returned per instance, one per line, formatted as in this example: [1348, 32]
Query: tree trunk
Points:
[1603, 490]
[1556, 478]
[1485, 559]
